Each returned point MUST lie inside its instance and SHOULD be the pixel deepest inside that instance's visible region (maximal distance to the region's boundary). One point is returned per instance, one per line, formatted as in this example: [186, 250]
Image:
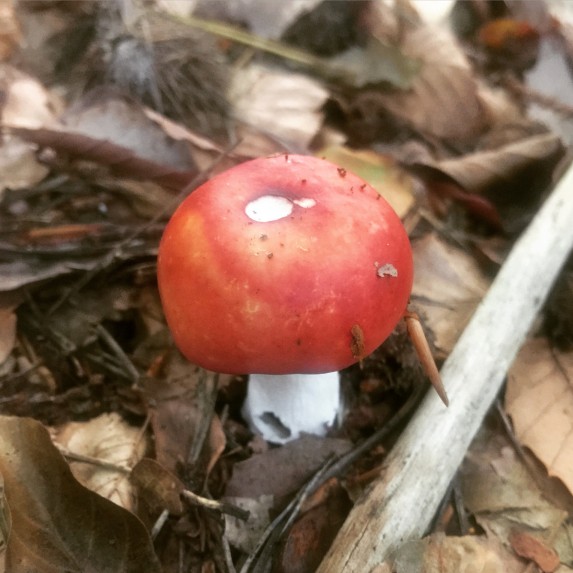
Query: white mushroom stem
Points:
[281, 408]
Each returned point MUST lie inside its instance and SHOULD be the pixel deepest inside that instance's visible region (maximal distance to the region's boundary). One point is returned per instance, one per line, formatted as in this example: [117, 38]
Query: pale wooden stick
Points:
[402, 503]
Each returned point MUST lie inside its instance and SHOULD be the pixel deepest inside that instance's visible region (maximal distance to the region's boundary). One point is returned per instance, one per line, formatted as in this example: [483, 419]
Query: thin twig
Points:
[215, 505]
[227, 554]
[159, 523]
[92, 460]
[112, 344]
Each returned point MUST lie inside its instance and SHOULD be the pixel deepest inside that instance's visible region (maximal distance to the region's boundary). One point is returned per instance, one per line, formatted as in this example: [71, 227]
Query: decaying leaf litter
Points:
[454, 125]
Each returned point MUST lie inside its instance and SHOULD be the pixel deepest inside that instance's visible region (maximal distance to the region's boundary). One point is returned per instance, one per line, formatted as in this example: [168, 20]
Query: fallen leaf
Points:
[19, 167]
[503, 496]
[550, 78]
[25, 101]
[157, 487]
[110, 440]
[284, 104]
[17, 274]
[187, 440]
[500, 169]
[127, 124]
[307, 542]
[443, 99]
[448, 286]
[245, 535]
[7, 332]
[120, 160]
[281, 471]
[10, 33]
[381, 171]
[440, 554]
[534, 549]
[57, 524]
[376, 64]
[539, 400]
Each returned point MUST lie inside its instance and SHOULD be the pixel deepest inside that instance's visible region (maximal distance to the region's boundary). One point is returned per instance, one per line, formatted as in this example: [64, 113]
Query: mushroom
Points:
[289, 269]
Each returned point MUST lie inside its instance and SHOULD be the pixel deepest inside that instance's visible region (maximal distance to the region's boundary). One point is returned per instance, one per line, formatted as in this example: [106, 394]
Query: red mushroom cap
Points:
[313, 291]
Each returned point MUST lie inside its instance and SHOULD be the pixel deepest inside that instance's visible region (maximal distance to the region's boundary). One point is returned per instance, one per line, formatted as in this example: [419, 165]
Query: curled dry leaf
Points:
[443, 99]
[21, 273]
[7, 332]
[158, 488]
[440, 554]
[127, 124]
[57, 524]
[121, 160]
[534, 549]
[503, 496]
[381, 171]
[373, 65]
[25, 101]
[110, 441]
[539, 399]
[10, 34]
[245, 535]
[312, 534]
[448, 286]
[188, 439]
[283, 104]
[281, 471]
[19, 167]
[500, 168]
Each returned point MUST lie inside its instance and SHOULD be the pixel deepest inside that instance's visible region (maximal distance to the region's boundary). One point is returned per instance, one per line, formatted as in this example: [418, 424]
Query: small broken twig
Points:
[215, 505]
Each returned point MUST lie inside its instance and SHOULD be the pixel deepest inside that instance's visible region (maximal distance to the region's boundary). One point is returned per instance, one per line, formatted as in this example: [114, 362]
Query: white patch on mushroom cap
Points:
[274, 207]
[387, 270]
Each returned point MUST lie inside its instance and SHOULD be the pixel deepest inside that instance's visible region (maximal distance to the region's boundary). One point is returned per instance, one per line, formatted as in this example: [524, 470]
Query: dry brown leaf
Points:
[10, 33]
[539, 399]
[504, 496]
[283, 104]
[440, 554]
[17, 274]
[127, 124]
[203, 151]
[281, 471]
[7, 332]
[498, 168]
[121, 160]
[448, 285]
[157, 488]
[57, 524]
[531, 547]
[375, 64]
[381, 171]
[182, 418]
[19, 167]
[310, 537]
[245, 535]
[25, 103]
[110, 440]
[443, 101]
